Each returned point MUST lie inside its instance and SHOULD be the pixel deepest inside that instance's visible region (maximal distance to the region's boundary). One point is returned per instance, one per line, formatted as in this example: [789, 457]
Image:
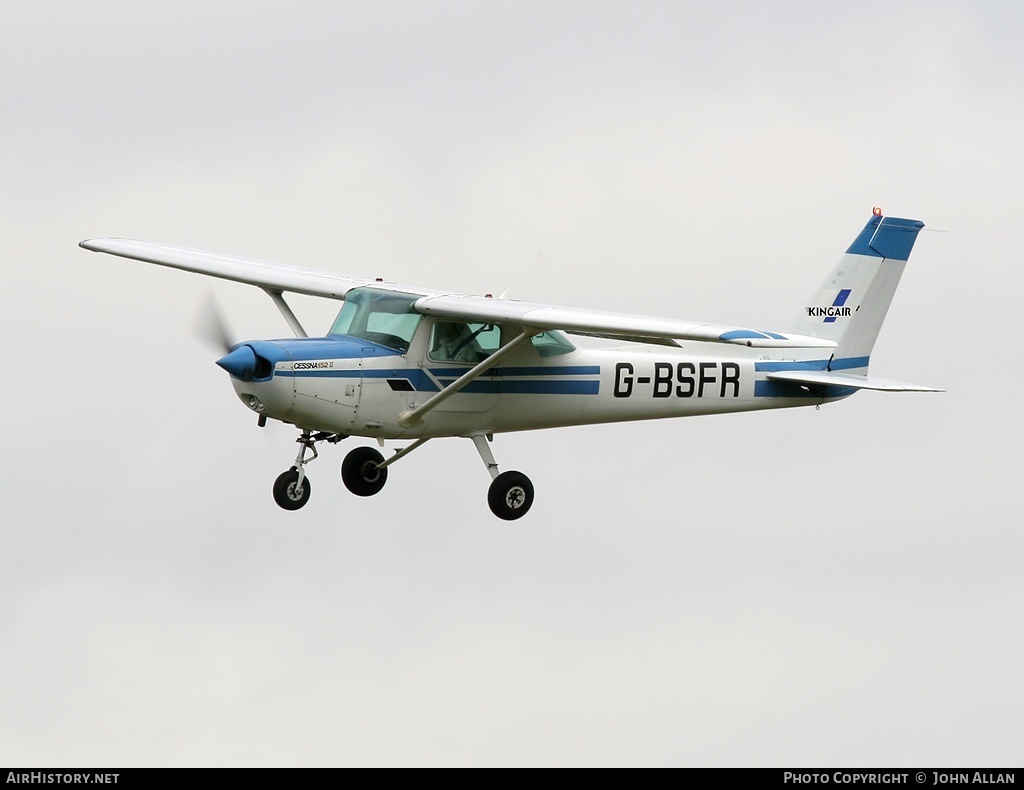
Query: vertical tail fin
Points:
[852, 302]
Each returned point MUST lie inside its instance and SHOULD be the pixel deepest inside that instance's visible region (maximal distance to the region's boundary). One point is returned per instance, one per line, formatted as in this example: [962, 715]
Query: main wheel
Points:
[510, 495]
[287, 494]
[360, 473]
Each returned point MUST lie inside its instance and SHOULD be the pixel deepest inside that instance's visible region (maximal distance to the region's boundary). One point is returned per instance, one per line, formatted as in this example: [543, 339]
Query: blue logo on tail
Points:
[840, 301]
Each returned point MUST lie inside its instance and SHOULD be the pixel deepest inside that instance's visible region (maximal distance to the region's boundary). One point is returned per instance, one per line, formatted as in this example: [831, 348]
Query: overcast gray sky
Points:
[813, 588]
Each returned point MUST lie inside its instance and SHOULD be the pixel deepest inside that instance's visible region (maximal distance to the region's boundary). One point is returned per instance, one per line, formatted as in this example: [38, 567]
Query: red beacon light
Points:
[877, 211]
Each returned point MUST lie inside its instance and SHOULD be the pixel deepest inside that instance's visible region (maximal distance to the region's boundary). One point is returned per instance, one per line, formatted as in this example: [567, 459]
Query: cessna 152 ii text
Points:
[411, 364]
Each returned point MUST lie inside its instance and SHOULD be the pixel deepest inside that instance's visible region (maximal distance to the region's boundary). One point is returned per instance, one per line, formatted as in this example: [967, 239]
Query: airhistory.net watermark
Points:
[47, 778]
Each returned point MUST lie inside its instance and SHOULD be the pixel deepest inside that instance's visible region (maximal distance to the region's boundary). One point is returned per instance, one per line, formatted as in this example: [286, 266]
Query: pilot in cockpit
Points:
[455, 342]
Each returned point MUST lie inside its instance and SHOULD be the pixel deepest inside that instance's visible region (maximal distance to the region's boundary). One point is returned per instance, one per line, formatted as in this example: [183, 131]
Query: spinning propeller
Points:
[211, 327]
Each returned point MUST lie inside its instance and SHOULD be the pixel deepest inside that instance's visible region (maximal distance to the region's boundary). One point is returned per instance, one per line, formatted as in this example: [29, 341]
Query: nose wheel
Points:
[290, 492]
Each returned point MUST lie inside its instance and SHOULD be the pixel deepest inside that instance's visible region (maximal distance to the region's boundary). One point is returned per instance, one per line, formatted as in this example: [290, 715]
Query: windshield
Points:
[383, 317]
[552, 343]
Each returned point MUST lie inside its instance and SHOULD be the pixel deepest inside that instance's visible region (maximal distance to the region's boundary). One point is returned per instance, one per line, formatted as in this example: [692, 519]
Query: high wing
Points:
[276, 278]
[266, 275]
[575, 320]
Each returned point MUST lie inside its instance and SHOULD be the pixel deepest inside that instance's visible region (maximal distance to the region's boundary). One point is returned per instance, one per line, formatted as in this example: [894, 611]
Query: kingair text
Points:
[831, 312]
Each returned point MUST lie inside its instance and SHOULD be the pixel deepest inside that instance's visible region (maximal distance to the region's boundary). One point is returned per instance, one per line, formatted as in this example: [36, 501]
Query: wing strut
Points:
[412, 417]
[286, 311]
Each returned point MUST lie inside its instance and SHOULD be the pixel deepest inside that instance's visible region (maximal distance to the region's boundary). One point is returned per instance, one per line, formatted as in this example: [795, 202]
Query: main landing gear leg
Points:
[511, 493]
[292, 488]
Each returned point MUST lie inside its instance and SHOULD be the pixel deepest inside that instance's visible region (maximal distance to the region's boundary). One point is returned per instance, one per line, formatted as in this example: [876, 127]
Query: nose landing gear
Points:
[292, 488]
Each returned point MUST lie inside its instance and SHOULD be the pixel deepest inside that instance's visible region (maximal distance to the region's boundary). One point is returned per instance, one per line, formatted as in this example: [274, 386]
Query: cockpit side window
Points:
[383, 317]
[457, 341]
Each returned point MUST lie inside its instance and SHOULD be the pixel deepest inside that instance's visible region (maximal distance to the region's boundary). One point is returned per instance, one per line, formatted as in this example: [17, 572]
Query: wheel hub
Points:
[515, 497]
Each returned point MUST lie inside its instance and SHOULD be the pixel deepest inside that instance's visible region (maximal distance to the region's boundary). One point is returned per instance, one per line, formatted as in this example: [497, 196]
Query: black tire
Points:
[360, 474]
[285, 493]
[510, 495]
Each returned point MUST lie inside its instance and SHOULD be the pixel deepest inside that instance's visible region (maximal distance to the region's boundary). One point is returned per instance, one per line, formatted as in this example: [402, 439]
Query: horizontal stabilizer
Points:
[828, 378]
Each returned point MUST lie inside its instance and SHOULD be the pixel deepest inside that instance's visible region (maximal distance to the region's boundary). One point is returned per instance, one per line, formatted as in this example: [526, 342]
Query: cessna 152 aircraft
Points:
[413, 364]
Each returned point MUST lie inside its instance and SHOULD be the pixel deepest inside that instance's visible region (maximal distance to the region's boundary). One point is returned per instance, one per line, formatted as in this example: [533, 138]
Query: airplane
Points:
[410, 364]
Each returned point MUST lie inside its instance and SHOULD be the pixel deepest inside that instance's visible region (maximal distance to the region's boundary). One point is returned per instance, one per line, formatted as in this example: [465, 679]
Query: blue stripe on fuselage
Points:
[793, 389]
[534, 387]
[434, 379]
[494, 381]
[812, 364]
[419, 379]
[535, 370]
[486, 384]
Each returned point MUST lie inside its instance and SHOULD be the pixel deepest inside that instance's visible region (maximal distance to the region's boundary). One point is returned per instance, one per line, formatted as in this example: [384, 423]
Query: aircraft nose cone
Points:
[240, 363]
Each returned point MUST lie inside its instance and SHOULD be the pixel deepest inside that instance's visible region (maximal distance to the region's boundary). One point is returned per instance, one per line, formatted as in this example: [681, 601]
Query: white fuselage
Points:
[350, 386]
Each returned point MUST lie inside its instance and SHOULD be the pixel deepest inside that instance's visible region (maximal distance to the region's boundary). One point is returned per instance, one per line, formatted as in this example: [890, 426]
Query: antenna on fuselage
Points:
[504, 294]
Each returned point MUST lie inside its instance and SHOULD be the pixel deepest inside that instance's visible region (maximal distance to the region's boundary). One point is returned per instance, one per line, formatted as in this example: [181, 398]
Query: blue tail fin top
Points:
[887, 237]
